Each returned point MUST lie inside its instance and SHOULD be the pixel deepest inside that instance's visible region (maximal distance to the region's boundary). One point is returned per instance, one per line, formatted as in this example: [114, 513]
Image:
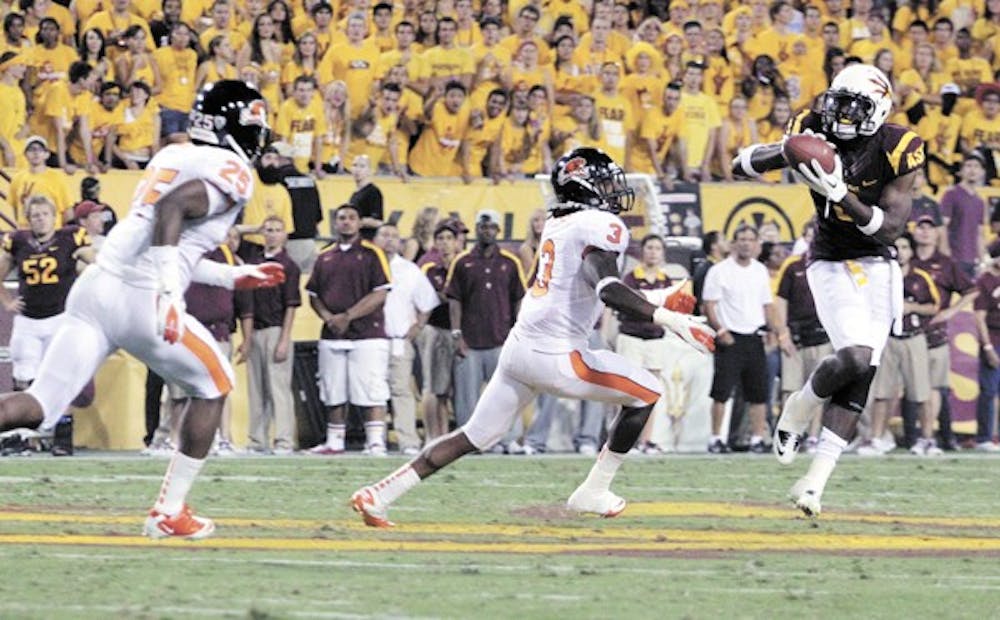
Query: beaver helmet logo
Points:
[576, 167]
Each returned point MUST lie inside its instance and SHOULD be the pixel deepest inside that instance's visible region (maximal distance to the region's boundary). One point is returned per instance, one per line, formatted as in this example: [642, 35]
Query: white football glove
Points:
[170, 305]
[691, 329]
[829, 184]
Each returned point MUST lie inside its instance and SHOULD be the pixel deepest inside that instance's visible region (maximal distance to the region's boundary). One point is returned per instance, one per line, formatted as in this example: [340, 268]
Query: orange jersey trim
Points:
[207, 357]
[611, 380]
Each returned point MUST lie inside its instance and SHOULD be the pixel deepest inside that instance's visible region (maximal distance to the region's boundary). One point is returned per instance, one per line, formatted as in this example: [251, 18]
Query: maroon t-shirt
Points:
[269, 304]
[918, 288]
[217, 307]
[489, 289]
[636, 326]
[342, 277]
[793, 287]
[966, 210]
[47, 270]
[988, 284]
[950, 279]
[437, 272]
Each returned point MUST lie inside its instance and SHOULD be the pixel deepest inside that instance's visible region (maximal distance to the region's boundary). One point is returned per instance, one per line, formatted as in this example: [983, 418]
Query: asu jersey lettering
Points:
[562, 307]
[870, 163]
[47, 270]
[229, 184]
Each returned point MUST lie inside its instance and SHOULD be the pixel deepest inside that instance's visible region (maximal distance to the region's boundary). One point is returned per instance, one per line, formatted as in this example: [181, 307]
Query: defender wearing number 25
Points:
[133, 297]
[861, 191]
[580, 257]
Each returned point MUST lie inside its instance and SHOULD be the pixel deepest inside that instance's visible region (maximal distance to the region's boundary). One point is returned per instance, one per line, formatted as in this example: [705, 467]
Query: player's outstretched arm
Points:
[757, 159]
[600, 269]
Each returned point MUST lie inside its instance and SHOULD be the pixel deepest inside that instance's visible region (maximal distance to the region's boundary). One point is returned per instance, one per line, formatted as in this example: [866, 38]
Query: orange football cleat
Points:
[182, 525]
[367, 503]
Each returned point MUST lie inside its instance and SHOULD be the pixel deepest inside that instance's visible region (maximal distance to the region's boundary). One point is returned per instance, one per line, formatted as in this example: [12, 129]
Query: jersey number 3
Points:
[543, 274]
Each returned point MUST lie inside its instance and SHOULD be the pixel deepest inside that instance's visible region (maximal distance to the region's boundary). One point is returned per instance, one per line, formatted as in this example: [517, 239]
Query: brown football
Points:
[804, 148]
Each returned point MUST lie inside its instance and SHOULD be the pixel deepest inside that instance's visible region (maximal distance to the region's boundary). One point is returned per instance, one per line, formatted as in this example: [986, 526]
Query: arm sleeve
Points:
[293, 297]
[213, 273]
[713, 287]
[425, 298]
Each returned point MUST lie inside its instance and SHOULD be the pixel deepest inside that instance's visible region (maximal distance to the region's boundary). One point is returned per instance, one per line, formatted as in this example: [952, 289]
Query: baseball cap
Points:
[926, 219]
[85, 208]
[453, 224]
[36, 140]
[951, 88]
[488, 216]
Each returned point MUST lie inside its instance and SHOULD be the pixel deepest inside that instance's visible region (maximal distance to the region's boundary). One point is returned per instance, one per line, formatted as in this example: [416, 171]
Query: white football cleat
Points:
[805, 497]
[603, 503]
[795, 418]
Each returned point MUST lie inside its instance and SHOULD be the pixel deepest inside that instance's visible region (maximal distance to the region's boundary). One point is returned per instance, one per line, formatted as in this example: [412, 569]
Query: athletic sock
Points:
[177, 482]
[393, 486]
[335, 436]
[375, 433]
[809, 395]
[604, 469]
[828, 451]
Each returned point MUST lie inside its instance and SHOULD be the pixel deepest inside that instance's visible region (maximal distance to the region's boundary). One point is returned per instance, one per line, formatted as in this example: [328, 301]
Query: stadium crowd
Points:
[497, 90]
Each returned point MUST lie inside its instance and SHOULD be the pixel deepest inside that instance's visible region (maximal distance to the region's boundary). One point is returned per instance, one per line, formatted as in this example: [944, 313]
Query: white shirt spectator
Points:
[411, 293]
[741, 293]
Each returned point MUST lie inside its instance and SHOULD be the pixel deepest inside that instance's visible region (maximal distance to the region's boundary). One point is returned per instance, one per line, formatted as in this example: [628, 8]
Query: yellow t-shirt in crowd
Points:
[480, 140]
[101, 122]
[356, 67]
[662, 130]
[13, 117]
[376, 144]
[177, 74]
[618, 123]
[267, 201]
[299, 126]
[700, 115]
[448, 63]
[434, 154]
[136, 132]
[50, 183]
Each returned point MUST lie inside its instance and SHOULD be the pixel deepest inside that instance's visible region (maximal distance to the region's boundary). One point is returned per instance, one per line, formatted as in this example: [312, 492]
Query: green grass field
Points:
[488, 538]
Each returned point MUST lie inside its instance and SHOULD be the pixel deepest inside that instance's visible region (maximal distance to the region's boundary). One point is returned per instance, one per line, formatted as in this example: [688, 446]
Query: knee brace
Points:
[854, 395]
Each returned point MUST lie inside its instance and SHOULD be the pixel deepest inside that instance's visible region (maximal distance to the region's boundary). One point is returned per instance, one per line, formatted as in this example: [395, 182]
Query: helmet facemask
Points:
[847, 115]
[613, 188]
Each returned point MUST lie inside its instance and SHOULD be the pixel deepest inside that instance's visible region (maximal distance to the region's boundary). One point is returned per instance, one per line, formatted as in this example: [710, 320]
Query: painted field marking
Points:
[671, 541]
[591, 528]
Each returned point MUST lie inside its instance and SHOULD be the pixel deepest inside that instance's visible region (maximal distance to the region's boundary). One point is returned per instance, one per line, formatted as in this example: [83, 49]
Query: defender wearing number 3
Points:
[580, 256]
[862, 206]
[133, 298]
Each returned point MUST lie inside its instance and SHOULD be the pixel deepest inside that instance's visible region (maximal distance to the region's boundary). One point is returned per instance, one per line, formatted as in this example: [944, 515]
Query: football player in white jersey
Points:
[580, 256]
[133, 299]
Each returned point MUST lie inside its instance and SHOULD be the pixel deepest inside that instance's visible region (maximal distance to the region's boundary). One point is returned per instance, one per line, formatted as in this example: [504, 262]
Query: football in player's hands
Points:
[806, 147]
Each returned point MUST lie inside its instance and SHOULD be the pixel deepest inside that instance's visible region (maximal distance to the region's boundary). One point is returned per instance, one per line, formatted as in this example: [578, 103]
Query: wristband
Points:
[604, 282]
[746, 167]
[987, 347]
[456, 333]
[874, 224]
